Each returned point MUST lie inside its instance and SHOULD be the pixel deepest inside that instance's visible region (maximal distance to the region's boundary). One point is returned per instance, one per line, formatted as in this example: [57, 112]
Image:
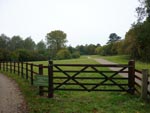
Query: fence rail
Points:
[142, 83]
[77, 77]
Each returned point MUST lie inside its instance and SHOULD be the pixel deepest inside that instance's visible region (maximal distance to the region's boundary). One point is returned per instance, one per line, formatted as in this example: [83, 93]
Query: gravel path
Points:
[102, 61]
[11, 100]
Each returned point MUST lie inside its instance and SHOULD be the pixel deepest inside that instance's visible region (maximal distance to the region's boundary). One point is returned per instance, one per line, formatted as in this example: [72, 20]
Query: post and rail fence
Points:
[80, 77]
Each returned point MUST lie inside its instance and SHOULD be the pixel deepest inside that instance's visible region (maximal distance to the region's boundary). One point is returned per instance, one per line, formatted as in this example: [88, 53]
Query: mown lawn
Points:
[124, 59]
[80, 102]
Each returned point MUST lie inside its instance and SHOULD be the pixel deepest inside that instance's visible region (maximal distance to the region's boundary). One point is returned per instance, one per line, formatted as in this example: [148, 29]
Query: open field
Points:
[80, 102]
[123, 59]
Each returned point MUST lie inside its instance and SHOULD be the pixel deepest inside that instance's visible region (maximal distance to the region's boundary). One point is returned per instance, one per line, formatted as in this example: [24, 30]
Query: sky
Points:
[84, 21]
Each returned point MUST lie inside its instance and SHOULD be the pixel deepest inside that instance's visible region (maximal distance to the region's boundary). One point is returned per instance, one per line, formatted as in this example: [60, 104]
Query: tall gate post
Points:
[50, 80]
[144, 87]
[41, 73]
[131, 76]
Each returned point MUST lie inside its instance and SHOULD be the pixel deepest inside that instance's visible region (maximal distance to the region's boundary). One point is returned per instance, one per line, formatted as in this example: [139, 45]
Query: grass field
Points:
[80, 102]
[123, 59]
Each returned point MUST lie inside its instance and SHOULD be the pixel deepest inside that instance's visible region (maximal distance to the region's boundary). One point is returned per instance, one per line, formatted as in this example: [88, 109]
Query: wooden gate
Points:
[90, 77]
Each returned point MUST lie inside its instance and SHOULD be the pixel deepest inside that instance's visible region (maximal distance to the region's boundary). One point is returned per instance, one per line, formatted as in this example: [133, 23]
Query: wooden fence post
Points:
[50, 80]
[18, 68]
[10, 67]
[31, 67]
[144, 87]
[14, 67]
[41, 73]
[6, 66]
[131, 76]
[0, 65]
[22, 70]
[27, 71]
[3, 66]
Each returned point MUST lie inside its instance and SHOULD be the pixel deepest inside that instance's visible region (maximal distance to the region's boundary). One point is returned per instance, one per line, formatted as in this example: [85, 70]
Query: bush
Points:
[5, 55]
[63, 54]
[76, 54]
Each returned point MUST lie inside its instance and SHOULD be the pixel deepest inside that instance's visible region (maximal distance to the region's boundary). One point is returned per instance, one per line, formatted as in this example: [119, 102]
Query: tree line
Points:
[137, 40]
[17, 49]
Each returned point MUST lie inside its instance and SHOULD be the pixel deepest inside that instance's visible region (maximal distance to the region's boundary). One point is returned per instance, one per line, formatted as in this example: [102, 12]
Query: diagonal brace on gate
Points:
[107, 78]
[71, 77]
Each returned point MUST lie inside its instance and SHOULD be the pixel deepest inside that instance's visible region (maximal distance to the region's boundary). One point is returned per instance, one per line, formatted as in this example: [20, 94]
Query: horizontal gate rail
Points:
[117, 78]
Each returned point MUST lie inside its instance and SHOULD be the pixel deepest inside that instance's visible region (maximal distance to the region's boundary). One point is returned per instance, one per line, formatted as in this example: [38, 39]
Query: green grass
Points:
[80, 102]
[124, 59]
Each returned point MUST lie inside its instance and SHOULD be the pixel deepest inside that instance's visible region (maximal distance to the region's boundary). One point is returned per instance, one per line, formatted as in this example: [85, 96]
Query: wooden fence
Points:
[142, 83]
[76, 77]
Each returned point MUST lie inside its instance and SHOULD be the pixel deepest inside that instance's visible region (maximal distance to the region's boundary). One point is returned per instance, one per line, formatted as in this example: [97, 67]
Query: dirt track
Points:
[102, 61]
[11, 100]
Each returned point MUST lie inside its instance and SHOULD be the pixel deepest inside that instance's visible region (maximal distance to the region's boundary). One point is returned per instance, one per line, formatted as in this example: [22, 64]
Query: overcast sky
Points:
[84, 21]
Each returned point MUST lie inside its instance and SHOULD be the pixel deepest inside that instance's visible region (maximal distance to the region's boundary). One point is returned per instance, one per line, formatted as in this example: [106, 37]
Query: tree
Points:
[143, 11]
[29, 44]
[71, 49]
[81, 48]
[98, 50]
[113, 37]
[41, 46]
[143, 38]
[90, 49]
[56, 41]
[4, 41]
[16, 43]
[23, 54]
[4, 55]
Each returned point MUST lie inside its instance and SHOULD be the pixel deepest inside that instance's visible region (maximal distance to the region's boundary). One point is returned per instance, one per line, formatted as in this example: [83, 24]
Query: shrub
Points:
[76, 54]
[63, 54]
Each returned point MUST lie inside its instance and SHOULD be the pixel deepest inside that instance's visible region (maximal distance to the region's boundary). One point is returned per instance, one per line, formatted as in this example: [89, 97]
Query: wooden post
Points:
[18, 68]
[144, 87]
[27, 71]
[3, 66]
[10, 67]
[22, 70]
[131, 76]
[50, 80]
[14, 67]
[41, 93]
[6, 66]
[31, 66]
[0, 65]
